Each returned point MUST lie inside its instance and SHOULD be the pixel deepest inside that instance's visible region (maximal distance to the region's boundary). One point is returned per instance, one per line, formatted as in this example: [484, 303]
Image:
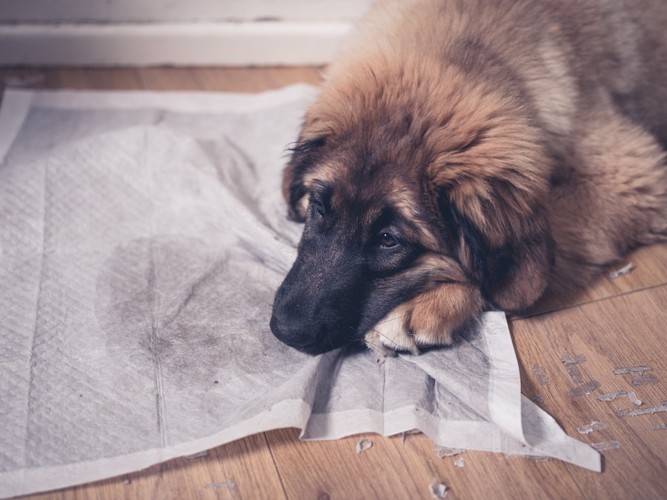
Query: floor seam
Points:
[275, 466]
[593, 301]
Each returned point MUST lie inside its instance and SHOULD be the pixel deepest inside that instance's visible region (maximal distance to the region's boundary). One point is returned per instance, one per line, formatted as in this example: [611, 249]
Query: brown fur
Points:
[522, 139]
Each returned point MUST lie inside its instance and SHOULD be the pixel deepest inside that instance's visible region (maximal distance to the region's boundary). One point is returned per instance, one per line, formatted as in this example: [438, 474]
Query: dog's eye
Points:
[387, 240]
[317, 207]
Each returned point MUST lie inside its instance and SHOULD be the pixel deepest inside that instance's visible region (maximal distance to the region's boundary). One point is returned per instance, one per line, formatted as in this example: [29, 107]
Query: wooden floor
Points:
[611, 338]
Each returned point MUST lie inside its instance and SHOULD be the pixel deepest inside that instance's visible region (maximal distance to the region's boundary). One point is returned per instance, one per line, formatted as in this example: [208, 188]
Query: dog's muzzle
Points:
[317, 308]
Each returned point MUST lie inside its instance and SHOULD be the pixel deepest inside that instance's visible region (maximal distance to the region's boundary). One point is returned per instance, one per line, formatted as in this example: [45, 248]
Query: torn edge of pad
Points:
[13, 111]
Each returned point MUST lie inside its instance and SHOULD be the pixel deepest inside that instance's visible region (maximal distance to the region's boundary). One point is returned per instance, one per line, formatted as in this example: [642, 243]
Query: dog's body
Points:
[466, 154]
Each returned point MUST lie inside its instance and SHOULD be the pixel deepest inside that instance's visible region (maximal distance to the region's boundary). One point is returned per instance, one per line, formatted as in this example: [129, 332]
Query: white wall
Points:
[173, 32]
[112, 11]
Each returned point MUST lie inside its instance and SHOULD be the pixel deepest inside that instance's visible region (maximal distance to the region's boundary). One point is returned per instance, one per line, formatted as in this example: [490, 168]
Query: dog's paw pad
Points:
[407, 329]
[390, 335]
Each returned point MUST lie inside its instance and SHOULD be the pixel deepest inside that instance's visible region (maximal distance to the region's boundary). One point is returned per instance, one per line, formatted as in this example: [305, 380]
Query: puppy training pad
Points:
[142, 237]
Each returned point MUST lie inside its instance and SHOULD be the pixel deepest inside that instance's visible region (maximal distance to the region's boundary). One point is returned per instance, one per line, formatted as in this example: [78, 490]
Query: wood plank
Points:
[209, 79]
[242, 469]
[649, 269]
[328, 469]
[397, 468]
[224, 80]
[622, 332]
[94, 79]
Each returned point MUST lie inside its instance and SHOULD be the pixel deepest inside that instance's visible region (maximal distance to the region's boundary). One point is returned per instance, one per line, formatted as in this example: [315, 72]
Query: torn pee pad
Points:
[142, 237]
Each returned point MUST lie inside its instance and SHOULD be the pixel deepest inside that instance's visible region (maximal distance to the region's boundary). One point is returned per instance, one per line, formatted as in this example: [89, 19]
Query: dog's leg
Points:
[429, 319]
[611, 197]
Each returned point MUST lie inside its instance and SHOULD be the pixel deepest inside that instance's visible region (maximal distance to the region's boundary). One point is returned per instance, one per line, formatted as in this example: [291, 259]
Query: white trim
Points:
[190, 44]
[161, 11]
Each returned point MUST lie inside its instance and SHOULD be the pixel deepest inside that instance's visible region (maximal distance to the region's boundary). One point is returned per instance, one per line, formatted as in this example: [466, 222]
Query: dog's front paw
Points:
[428, 320]
[392, 333]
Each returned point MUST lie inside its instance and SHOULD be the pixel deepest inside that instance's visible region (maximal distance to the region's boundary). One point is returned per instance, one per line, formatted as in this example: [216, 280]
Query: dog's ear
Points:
[501, 235]
[304, 155]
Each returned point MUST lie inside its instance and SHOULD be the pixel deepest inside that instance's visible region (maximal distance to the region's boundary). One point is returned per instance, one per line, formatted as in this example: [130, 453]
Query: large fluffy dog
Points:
[466, 154]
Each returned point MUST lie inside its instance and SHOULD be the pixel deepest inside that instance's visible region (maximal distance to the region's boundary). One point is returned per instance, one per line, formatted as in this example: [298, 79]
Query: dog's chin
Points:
[318, 347]
[323, 342]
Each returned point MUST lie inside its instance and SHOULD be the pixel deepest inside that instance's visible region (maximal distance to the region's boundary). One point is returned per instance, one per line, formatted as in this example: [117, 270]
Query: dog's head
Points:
[405, 186]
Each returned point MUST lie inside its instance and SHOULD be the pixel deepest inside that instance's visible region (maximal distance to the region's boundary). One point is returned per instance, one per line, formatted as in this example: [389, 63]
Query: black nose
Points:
[305, 337]
[292, 333]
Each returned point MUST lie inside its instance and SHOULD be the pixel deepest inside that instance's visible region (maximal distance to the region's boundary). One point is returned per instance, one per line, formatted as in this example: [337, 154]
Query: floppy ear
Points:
[305, 154]
[501, 236]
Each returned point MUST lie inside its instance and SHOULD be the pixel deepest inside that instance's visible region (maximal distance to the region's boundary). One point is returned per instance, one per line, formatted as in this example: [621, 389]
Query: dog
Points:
[465, 155]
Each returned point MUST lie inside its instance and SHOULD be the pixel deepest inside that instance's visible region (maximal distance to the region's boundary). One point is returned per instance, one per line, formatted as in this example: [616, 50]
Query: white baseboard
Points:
[188, 44]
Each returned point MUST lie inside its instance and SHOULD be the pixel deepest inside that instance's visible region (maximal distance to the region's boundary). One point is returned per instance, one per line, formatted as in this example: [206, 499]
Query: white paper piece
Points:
[142, 237]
